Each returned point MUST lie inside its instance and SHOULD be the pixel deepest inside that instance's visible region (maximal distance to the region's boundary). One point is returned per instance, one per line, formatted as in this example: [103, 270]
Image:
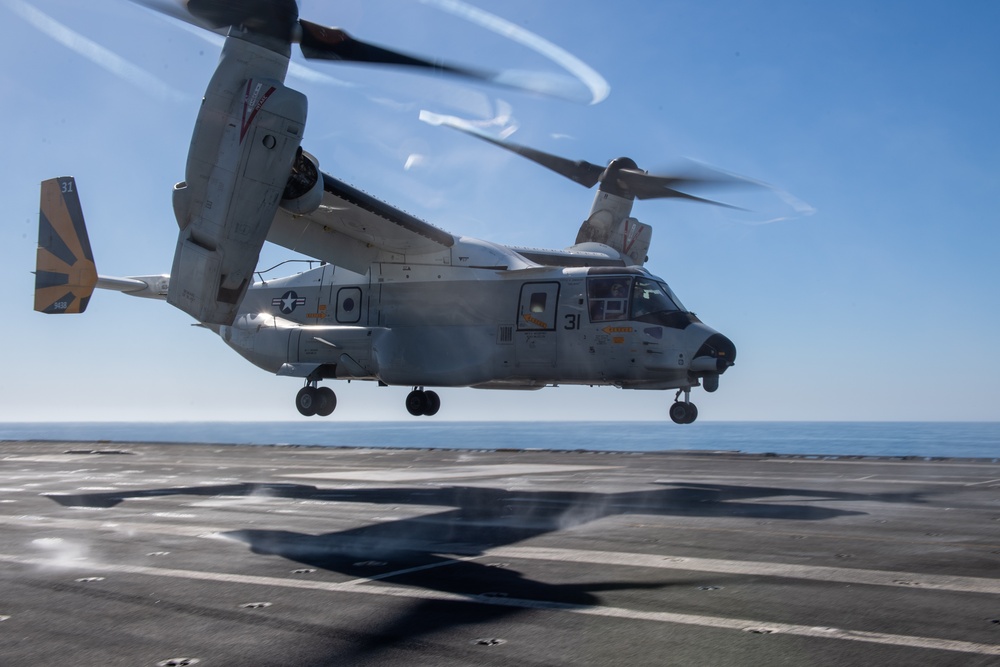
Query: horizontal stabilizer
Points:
[65, 274]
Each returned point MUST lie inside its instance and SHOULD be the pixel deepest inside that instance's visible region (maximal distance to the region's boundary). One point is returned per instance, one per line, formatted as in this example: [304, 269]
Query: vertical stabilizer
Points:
[65, 275]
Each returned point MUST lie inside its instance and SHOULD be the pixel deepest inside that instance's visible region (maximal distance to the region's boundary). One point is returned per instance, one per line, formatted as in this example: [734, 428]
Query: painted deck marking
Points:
[662, 561]
[396, 573]
[791, 571]
[609, 612]
[447, 472]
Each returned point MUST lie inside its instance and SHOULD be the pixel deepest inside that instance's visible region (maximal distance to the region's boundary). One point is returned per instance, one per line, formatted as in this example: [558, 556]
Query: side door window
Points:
[537, 307]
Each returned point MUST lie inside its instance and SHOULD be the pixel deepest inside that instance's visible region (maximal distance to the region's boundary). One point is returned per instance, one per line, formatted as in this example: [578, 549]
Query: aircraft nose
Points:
[717, 351]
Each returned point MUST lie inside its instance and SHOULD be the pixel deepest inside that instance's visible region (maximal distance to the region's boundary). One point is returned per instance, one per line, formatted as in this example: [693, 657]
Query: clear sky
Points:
[881, 117]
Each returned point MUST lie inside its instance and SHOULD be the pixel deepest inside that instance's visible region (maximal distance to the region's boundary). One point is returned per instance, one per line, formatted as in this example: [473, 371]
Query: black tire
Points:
[416, 403]
[327, 401]
[307, 401]
[692, 413]
[683, 413]
[432, 403]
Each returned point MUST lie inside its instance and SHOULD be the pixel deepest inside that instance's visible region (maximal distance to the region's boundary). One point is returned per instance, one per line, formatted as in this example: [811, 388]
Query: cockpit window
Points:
[623, 297]
[608, 298]
[651, 297]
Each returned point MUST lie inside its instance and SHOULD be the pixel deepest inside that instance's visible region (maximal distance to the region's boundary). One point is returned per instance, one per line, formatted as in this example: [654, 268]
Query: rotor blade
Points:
[709, 178]
[279, 19]
[276, 18]
[653, 186]
[579, 171]
[668, 193]
[177, 9]
[327, 43]
[173, 8]
[633, 181]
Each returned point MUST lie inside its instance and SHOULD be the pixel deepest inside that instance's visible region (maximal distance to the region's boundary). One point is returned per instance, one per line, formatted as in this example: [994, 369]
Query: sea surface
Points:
[896, 439]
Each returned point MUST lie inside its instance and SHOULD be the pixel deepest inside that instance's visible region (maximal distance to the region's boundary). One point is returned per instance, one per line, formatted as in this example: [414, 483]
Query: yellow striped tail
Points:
[65, 274]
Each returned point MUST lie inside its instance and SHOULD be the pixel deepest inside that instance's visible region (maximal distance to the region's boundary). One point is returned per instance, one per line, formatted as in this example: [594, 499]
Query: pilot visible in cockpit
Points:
[608, 299]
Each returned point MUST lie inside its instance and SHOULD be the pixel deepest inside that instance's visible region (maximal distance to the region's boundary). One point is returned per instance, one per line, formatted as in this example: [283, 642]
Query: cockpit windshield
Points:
[650, 297]
[625, 297]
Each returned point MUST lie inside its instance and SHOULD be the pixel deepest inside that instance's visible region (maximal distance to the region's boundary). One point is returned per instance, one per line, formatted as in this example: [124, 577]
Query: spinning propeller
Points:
[279, 20]
[621, 177]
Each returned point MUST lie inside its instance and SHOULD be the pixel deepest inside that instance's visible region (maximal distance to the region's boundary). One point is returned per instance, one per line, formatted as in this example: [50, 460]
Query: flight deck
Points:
[184, 554]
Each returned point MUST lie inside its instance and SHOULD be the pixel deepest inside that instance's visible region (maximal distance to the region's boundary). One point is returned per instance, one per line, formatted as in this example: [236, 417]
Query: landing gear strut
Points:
[683, 412]
[422, 403]
[314, 400]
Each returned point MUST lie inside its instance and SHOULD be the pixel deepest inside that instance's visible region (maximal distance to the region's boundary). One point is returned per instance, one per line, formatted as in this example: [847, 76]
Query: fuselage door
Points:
[535, 340]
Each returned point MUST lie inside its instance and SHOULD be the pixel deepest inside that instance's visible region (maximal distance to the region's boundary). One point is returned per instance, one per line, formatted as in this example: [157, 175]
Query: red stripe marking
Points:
[248, 120]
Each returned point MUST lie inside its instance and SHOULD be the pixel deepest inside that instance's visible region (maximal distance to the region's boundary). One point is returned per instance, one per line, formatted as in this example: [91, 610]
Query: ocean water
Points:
[916, 439]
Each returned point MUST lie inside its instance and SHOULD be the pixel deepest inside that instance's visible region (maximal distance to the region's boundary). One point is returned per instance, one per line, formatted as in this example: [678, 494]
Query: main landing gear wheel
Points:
[683, 413]
[327, 402]
[315, 401]
[422, 403]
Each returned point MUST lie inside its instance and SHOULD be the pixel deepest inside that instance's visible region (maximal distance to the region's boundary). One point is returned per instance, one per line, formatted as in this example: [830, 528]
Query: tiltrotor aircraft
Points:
[397, 300]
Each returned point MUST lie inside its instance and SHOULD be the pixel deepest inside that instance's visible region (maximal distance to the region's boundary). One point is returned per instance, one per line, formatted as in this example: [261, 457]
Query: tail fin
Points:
[65, 274]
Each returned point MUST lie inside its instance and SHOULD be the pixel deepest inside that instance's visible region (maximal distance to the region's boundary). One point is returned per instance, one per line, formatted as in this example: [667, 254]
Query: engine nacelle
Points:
[609, 224]
[304, 191]
[245, 143]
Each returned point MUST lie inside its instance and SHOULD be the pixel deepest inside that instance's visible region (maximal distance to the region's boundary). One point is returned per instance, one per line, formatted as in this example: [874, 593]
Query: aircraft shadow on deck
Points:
[433, 551]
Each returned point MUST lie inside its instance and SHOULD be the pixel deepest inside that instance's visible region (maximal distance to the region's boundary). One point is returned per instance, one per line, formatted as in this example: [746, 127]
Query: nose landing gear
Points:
[422, 403]
[683, 412]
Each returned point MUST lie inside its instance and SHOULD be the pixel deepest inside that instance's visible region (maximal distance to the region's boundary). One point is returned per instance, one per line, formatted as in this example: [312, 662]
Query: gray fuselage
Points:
[461, 326]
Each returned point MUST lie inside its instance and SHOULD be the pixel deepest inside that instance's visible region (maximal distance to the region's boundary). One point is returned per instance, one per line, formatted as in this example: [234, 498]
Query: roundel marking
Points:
[288, 302]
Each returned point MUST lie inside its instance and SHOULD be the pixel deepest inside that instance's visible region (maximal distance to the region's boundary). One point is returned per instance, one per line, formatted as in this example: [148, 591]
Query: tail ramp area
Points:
[65, 273]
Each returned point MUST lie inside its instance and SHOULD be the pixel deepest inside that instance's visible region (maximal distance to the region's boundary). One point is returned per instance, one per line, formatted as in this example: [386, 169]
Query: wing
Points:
[351, 229]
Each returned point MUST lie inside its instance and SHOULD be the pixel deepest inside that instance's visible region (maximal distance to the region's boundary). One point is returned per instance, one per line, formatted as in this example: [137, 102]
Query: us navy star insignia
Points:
[287, 302]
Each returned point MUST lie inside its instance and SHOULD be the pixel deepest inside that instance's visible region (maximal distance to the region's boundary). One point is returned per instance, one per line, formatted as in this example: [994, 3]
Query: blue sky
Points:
[880, 117]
